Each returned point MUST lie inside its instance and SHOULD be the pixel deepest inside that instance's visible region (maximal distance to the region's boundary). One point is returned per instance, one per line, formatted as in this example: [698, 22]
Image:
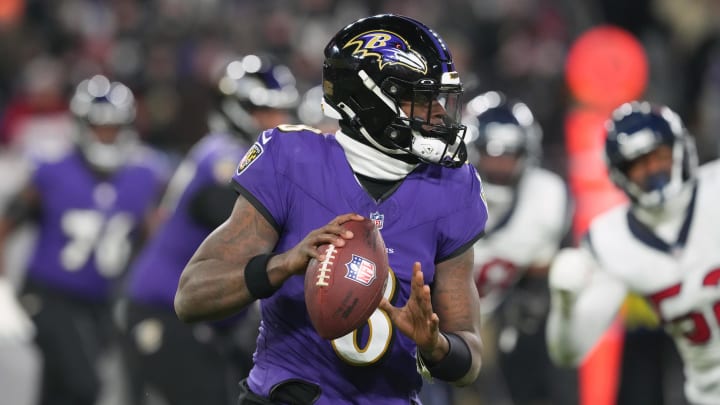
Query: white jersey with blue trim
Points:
[527, 233]
[681, 280]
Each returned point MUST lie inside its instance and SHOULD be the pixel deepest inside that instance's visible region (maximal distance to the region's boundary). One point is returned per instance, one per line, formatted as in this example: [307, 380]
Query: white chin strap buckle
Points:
[430, 149]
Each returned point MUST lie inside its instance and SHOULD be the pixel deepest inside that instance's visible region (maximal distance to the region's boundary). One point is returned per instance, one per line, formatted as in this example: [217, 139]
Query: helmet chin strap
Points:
[351, 114]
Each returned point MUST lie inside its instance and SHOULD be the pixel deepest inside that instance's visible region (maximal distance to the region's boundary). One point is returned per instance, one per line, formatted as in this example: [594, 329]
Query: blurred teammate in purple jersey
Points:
[398, 158]
[90, 206]
[195, 364]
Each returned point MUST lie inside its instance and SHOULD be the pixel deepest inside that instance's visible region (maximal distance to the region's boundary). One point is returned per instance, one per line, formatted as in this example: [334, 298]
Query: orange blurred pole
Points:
[593, 193]
[599, 374]
[11, 11]
[606, 66]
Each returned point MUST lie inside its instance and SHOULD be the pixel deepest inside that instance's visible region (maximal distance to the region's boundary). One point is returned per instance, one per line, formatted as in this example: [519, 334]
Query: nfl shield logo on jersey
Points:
[360, 270]
[378, 218]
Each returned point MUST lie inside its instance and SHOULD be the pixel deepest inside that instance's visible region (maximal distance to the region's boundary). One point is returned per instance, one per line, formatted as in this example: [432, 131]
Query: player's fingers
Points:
[341, 219]
[434, 322]
[334, 234]
[425, 302]
[420, 290]
[418, 279]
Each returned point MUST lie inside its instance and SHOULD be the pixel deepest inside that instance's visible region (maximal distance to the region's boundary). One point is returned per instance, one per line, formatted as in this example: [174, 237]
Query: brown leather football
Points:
[342, 291]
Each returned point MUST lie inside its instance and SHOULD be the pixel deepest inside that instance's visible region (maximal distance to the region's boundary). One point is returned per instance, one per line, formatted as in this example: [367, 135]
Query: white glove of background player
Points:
[15, 325]
[571, 270]
[570, 273]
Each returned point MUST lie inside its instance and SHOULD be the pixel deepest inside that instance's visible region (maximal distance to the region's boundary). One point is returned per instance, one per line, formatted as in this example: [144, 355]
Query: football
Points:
[342, 291]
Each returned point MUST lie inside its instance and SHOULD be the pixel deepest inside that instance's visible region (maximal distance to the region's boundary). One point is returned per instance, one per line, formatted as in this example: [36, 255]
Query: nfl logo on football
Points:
[378, 218]
[360, 270]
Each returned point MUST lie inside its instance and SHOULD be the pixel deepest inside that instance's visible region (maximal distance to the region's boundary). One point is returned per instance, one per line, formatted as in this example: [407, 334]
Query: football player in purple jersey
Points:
[201, 363]
[89, 206]
[398, 158]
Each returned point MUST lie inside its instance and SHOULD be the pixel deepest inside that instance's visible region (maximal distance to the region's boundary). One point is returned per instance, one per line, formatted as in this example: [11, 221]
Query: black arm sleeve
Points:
[212, 205]
[22, 207]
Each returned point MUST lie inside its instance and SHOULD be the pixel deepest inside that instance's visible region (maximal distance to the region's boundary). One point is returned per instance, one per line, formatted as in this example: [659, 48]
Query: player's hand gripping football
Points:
[296, 259]
[417, 320]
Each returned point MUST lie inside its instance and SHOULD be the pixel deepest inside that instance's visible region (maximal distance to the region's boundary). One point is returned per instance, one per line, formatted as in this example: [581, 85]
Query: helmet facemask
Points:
[659, 187]
[107, 156]
[421, 131]
[430, 130]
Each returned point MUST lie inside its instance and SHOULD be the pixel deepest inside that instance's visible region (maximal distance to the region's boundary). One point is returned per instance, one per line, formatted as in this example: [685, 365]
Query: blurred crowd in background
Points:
[169, 52]
[166, 51]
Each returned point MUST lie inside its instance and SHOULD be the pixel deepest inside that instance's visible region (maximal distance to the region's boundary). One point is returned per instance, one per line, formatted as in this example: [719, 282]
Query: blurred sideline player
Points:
[20, 362]
[529, 216]
[89, 205]
[662, 246]
[194, 364]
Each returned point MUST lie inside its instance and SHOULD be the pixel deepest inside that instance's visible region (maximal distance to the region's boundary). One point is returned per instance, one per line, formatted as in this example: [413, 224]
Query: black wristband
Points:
[256, 277]
[456, 363]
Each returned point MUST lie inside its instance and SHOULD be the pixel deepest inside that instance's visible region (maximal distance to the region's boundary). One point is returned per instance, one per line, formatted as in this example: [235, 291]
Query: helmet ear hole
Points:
[399, 136]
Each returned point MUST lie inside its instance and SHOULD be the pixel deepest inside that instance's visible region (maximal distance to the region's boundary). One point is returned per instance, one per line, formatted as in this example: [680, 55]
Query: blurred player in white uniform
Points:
[529, 211]
[662, 245]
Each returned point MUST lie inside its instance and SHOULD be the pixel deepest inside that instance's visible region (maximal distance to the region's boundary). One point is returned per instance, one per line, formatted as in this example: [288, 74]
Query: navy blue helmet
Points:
[497, 127]
[638, 128]
[375, 64]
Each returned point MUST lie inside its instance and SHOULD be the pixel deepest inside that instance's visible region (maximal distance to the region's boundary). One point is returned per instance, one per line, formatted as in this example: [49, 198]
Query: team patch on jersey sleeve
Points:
[250, 156]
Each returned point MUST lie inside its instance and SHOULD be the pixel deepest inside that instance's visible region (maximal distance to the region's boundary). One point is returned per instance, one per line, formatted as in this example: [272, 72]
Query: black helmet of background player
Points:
[105, 111]
[253, 94]
[649, 153]
[374, 65]
[503, 139]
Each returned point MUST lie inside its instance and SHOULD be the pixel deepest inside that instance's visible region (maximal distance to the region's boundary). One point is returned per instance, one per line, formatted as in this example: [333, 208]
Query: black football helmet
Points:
[375, 64]
[105, 111]
[638, 128]
[248, 84]
[501, 127]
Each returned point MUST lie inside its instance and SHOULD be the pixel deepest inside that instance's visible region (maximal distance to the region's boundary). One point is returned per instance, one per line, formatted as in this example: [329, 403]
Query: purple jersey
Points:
[155, 274]
[88, 222]
[300, 181]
